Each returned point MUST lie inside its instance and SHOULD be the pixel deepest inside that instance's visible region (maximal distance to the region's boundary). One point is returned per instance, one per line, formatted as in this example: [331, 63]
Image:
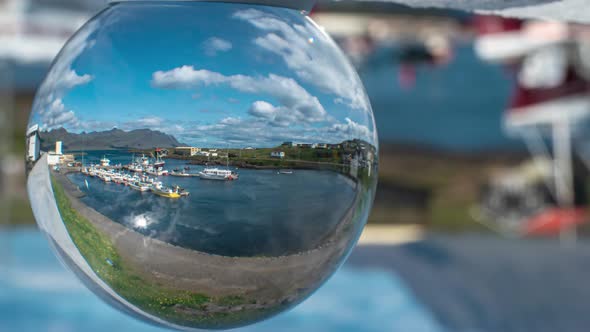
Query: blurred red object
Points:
[486, 25]
[553, 221]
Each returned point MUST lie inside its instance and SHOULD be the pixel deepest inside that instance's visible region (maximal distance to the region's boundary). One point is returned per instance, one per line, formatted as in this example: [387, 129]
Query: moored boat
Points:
[166, 192]
[105, 162]
[139, 186]
[218, 174]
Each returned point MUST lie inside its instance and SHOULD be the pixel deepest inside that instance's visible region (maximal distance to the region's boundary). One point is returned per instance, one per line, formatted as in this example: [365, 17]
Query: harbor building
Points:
[277, 154]
[204, 153]
[57, 157]
[187, 151]
[53, 157]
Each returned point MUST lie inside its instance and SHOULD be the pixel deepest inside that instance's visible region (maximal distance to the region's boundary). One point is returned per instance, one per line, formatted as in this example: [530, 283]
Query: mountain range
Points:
[105, 140]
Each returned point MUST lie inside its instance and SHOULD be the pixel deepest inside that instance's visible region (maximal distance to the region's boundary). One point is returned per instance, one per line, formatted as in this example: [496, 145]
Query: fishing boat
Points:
[139, 186]
[166, 192]
[159, 163]
[144, 161]
[183, 174]
[156, 171]
[105, 162]
[135, 167]
[218, 174]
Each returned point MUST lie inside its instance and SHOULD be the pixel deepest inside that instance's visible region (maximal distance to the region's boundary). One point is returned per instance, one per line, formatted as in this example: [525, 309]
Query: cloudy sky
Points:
[209, 74]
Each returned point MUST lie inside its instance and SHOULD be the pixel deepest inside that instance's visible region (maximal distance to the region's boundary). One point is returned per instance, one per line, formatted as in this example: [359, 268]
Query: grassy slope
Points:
[155, 299]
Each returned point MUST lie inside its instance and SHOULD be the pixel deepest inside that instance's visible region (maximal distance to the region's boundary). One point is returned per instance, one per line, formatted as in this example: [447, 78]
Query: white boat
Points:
[159, 163]
[144, 161]
[104, 177]
[183, 174]
[139, 186]
[105, 162]
[156, 171]
[135, 168]
[218, 174]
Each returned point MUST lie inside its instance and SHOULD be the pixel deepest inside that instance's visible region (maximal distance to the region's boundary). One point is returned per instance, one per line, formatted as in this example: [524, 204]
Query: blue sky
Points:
[209, 74]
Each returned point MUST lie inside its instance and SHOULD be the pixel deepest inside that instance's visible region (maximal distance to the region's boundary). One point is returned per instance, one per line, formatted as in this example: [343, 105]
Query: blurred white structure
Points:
[33, 31]
[33, 143]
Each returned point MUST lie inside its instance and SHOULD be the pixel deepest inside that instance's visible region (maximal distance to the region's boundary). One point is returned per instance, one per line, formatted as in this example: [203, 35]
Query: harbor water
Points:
[262, 214]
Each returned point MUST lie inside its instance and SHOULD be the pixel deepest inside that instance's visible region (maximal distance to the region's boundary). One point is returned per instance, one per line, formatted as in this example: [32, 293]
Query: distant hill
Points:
[105, 140]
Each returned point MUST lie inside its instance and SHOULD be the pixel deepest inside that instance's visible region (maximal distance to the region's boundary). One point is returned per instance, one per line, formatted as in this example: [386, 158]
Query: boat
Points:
[105, 162]
[285, 171]
[144, 161]
[139, 186]
[183, 174]
[166, 192]
[218, 174]
[156, 171]
[135, 167]
[159, 163]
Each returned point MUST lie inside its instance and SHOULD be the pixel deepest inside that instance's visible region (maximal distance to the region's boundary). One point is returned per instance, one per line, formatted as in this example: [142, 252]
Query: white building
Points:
[58, 148]
[277, 154]
[203, 153]
[54, 157]
[187, 151]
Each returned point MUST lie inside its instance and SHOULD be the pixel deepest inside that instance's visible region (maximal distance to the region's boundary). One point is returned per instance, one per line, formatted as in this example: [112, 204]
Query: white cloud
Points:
[296, 104]
[258, 131]
[150, 121]
[351, 129]
[155, 123]
[61, 79]
[186, 77]
[56, 115]
[214, 45]
[230, 121]
[262, 109]
[276, 116]
[309, 54]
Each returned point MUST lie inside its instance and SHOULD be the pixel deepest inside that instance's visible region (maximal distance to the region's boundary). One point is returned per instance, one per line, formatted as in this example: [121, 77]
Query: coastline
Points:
[269, 280]
[261, 164]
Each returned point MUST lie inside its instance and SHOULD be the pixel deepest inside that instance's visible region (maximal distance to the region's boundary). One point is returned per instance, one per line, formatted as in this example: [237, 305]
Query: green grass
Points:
[153, 298]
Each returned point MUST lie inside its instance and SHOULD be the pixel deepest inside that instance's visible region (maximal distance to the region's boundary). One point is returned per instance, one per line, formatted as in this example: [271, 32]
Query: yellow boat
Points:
[169, 193]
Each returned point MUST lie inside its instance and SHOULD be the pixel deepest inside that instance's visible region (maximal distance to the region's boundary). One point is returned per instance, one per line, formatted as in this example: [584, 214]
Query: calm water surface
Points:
[263, 213]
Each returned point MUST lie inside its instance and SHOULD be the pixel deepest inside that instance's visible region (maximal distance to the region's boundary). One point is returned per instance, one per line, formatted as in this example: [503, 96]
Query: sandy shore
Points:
[269, 280]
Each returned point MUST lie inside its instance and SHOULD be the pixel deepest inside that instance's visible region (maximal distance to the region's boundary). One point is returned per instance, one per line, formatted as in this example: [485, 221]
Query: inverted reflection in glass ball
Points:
[201, 165]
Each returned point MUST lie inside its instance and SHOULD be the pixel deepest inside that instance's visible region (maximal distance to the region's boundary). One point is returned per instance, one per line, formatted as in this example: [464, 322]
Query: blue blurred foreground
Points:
[38, 294]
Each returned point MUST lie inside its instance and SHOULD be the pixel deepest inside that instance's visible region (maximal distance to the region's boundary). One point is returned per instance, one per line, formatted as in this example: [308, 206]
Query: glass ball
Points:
[201, 165]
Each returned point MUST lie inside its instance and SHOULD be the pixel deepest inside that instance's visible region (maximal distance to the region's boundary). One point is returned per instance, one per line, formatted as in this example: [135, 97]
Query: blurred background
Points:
[480, 220]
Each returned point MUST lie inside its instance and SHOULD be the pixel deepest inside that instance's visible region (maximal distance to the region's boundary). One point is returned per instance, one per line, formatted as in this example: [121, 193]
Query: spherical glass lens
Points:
[201, 165]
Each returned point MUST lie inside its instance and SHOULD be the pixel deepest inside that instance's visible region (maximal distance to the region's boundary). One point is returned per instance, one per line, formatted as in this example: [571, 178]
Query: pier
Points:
[137, 181]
